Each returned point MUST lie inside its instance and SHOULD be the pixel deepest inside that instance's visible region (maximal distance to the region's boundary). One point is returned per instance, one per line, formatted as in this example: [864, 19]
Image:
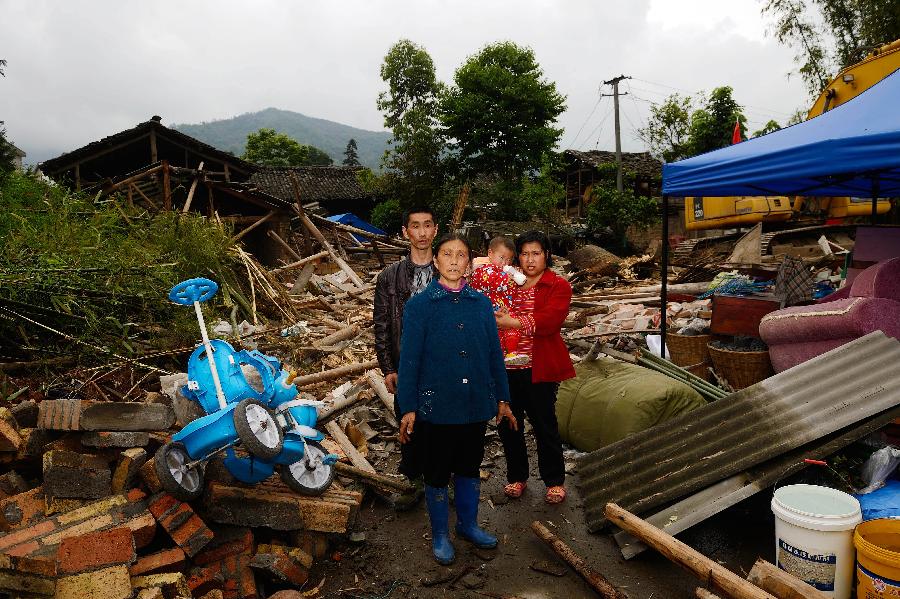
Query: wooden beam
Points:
[302, 280]
[301, 262]
[324, 243]
[781, 584]
[709, 571]
[373, 478]
[597, 581]
[259, 222]
[284, 244]
[204, 155]
[327, 375]
[187, 203]
[167, 187]
[137, 177]
[154, 156]
[356, 458]
[143, 195]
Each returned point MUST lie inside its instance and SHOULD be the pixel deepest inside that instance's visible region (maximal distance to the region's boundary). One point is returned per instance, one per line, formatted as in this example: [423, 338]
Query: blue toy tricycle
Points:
[266, 418]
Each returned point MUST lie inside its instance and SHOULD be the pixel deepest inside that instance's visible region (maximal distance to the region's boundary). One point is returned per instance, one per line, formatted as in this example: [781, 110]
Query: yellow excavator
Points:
[784, 217]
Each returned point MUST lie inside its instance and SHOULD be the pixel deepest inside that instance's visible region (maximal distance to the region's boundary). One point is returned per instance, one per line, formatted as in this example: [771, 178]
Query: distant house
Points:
[334, 188]
[19, 155]
[583, 170]
[156, 168]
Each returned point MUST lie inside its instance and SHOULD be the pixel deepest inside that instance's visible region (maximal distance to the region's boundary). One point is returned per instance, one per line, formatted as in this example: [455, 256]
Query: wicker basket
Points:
[688, 350]
[741, 368]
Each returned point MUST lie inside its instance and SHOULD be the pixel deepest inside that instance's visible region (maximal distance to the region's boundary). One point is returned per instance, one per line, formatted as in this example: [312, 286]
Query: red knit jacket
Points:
[550, 357]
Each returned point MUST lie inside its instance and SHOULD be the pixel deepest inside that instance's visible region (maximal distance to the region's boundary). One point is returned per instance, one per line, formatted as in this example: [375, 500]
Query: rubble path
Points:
[397, 551]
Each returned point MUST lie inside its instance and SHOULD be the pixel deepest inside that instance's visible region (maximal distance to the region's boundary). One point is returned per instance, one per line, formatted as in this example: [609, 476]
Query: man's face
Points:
[420, 230]
[532, 259]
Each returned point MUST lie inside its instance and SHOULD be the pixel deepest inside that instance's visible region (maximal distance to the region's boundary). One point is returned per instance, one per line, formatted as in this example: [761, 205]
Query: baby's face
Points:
[501, 256]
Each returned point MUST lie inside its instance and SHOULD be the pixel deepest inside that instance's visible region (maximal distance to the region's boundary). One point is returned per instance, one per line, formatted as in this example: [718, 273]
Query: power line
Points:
[596, 104]
[686, 91]
[599, 126]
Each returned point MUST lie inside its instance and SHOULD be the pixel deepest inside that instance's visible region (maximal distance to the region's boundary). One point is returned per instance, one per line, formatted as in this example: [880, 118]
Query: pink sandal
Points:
[515, 490]
[555, 494]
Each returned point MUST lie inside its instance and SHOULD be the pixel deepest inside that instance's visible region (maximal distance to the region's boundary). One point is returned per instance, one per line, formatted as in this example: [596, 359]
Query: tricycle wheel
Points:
[309, 475]
[176, 477]
[257, 429]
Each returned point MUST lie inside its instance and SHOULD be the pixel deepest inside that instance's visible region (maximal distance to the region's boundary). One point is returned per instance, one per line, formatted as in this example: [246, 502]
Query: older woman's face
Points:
[532, 259]
[451, 260]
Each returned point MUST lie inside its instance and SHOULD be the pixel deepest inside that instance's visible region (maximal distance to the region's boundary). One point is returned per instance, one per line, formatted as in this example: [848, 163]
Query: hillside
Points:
[230, 134]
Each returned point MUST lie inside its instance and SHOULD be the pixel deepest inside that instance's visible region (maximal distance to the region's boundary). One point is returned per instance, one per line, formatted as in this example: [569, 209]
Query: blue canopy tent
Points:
[853, 149]
[351, 219]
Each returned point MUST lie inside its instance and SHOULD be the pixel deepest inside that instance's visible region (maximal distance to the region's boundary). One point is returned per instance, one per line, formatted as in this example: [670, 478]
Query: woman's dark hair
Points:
[535, 237]
[453, 237]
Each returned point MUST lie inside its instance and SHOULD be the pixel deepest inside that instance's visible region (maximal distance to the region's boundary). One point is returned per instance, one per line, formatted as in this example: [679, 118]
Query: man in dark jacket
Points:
[396, 284]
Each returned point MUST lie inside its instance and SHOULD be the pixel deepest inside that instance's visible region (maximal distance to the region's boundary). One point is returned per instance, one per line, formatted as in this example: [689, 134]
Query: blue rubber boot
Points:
[468, 492]
[439, 514]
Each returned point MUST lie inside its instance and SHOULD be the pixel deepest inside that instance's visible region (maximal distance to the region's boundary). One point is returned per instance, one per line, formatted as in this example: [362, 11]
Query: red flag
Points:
[736, 135]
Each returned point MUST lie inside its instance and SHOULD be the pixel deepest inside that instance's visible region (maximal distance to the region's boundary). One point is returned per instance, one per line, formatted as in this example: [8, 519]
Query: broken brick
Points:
[172, 584]
[125, 416]
[75, 475]
[96, 550]
[148, 475]
[109, 583]
[281, 567]
[168, 560]
[152, 593]
[33, 442]
[312, 542]
[59, 505]
[59, 414]
[127, 469]
[302, 557]
[115, 439]
[26, 413]
[179, 520]
[9, 437]
[12, 483]
[227, 541]
[22, 582]
[232, 575]
[22, 510]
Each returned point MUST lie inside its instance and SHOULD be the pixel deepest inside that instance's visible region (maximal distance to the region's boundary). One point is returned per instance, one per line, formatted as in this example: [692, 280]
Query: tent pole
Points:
[664, 292]
[875, 192]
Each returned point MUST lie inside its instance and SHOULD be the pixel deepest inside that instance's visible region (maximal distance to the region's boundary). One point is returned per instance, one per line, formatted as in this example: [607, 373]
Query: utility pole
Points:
[615, 83]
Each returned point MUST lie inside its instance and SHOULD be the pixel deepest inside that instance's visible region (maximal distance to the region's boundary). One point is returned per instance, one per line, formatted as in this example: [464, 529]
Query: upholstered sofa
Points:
[871, 303]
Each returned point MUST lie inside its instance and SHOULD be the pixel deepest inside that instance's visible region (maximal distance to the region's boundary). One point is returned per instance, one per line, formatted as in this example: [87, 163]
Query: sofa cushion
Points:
[841, 319]
[881, 280]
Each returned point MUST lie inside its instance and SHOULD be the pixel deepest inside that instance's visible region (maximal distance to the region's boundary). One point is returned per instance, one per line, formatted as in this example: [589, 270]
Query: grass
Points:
[79, 266]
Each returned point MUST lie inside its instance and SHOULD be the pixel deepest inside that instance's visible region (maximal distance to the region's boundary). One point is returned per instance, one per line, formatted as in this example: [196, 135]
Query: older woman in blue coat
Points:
[451, 381]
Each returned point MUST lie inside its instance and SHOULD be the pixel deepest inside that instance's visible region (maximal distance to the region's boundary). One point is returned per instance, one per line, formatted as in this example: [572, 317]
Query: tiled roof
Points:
[317, 183]
[70, 158]
[640, 163]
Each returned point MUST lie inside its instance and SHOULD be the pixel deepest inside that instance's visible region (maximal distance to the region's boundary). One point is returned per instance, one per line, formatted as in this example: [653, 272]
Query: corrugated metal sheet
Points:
[793, 408]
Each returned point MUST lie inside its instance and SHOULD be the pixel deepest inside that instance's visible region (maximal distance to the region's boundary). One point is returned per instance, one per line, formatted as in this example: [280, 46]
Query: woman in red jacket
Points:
[539, 309]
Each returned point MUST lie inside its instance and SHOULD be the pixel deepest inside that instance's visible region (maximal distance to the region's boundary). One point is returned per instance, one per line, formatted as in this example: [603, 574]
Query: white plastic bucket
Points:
[814, 536]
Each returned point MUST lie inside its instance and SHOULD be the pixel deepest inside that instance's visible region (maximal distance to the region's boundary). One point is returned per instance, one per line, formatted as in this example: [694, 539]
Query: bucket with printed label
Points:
[877, 558]
[814, 536]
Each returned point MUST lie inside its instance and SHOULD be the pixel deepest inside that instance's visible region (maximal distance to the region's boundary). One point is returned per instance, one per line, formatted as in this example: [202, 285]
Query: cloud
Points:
[81, 71]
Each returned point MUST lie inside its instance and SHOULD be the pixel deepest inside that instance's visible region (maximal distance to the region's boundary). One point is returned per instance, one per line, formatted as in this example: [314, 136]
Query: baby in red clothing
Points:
[499, 281]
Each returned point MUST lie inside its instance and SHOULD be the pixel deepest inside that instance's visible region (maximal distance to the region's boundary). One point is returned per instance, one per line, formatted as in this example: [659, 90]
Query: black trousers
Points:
[538, 402]
[411, 454]
[450, 449]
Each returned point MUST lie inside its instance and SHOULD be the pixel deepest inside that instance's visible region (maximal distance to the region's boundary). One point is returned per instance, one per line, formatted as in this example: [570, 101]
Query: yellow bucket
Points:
[877, 559]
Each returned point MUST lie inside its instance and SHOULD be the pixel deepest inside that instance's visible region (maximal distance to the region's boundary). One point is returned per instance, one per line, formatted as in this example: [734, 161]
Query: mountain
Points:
[231, 134]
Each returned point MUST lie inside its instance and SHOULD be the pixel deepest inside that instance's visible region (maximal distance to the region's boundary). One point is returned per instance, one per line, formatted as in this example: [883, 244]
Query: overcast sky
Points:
[79, 70]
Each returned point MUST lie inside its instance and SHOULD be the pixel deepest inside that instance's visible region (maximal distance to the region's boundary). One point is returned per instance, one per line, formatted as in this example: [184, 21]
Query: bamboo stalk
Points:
[373, 478]
[334, 373]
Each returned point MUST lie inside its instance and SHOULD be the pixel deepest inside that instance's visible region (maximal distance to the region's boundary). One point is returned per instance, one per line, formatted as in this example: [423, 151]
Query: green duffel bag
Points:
[609, 400]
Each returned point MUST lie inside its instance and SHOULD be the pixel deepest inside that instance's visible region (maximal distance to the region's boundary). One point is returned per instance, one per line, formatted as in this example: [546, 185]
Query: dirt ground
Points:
[394, 560]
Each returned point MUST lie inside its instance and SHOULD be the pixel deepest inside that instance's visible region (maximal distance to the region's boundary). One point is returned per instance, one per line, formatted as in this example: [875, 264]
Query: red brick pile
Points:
[82, 515]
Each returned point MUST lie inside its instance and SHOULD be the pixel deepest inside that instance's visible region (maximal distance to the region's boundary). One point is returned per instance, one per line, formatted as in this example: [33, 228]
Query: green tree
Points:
[667, 133]
[713, 125]
[619, 210]
[351, 156]
[269, 148]
[501, 112]
[769, 127]
[828, 35]
[414, 159]
[542, 194]
[317, 157]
